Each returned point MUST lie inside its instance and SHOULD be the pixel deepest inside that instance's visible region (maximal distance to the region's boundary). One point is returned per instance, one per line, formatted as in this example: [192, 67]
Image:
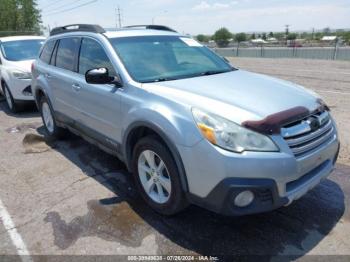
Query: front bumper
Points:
[20, 89]
[266, 195]
[216, 176]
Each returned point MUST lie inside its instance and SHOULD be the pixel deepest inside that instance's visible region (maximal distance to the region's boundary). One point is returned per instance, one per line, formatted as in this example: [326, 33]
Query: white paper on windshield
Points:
[190, 41]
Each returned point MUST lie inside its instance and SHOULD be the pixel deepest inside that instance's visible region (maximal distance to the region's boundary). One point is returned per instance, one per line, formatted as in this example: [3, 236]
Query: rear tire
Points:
[157, 177]
[47, 114]
[11, 103]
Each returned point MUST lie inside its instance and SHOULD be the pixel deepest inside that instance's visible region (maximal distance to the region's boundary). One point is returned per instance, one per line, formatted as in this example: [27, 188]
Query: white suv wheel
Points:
[8, 98]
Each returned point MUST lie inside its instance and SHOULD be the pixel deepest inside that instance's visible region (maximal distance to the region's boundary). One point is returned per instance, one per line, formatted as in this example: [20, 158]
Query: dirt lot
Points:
[70, 198]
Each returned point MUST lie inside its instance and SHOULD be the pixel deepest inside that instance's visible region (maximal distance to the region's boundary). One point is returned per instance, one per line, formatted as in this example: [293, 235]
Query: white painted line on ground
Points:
[16, 238]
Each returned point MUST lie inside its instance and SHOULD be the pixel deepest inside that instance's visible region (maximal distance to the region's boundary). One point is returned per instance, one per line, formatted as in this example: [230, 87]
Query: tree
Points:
[241, 37]
[19, 17]
[280, 36]
[222, 37]
[203, 38]
[318, 35]
[271, 34]
[292, 36]
[305, 35]
[264, 36]
[345, 36]
[327, 31]
[253, 36]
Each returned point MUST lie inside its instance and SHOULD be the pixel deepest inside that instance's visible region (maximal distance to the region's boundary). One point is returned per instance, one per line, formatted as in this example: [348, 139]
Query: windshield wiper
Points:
[206, 73]
[214, 72]
[161, 79]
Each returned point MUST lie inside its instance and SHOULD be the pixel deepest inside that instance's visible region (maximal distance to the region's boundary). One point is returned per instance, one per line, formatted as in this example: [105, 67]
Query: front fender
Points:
[5, 77]
[178, 126]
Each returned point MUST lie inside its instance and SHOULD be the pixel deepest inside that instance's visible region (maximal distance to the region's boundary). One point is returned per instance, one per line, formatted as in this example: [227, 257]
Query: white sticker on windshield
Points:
[190, 41]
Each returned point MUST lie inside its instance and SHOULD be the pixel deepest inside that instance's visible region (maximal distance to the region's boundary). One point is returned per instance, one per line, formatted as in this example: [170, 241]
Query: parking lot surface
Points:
[70, 198]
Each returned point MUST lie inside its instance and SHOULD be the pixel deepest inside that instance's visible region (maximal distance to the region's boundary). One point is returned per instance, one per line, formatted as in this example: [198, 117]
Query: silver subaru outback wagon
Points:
[191, 128]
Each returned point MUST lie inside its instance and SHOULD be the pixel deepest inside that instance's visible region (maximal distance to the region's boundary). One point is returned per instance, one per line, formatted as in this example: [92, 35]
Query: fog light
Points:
[244, 198]
[27, 91]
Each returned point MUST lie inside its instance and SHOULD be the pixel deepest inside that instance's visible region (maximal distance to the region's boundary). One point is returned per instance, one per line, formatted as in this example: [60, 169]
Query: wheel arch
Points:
[141, 129]
[2, 82]
[38, 94]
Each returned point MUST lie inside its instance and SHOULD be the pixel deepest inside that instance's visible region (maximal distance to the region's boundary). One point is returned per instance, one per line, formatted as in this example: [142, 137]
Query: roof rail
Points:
[77, 28]
[154, 27]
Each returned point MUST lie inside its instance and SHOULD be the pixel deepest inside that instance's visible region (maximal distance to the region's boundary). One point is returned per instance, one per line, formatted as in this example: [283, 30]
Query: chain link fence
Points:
[329, 53]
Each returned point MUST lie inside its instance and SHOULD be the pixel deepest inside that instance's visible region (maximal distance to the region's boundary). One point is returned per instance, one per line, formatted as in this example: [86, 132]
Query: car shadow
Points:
[290, 231]
[29, 110]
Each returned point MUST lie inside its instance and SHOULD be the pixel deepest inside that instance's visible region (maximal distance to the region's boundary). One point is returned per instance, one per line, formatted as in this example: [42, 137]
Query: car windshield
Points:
[21, 50]
[165, 58]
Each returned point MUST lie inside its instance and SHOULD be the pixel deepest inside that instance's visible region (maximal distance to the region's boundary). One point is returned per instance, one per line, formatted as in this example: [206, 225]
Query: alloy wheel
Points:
[154, 176]
[8, 98]
[47, 117]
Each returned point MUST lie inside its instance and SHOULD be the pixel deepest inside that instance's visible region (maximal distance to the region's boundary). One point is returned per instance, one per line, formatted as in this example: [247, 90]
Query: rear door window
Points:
[46, 54]
[67, 51]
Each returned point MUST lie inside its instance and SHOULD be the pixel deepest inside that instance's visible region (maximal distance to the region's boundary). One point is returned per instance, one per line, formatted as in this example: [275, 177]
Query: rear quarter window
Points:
[46, 54]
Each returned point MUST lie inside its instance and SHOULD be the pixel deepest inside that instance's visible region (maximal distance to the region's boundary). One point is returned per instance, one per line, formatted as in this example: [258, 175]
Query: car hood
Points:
[238, 95]
[24, 66]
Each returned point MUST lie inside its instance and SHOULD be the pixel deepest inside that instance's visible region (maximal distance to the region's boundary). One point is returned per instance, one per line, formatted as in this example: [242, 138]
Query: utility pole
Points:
[287, 33]
[118, 17]
[287, 30]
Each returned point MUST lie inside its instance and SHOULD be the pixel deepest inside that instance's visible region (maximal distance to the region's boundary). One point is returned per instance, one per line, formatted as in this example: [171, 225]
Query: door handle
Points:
[47, 75]
[76, 87]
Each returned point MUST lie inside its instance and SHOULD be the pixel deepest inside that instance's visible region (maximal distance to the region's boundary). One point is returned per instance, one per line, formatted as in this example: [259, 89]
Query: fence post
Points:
[335, 49]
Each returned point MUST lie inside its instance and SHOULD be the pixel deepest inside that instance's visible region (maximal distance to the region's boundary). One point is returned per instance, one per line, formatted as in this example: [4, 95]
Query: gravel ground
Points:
[69, 198]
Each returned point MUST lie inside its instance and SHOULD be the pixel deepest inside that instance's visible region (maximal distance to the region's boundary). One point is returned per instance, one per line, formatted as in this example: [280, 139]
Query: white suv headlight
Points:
[21, 75]
[231, 136]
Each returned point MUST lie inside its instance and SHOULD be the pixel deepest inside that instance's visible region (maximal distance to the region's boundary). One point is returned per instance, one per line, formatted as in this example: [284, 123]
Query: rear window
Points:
[21, 50]
[66, 53]
[47, 52]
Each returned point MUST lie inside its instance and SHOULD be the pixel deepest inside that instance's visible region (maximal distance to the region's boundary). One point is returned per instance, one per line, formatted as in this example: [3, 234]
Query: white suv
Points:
[16, 57]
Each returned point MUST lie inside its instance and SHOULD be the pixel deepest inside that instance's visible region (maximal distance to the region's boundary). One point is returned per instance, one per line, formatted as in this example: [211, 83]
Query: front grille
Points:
[265, 195]
[309, 133]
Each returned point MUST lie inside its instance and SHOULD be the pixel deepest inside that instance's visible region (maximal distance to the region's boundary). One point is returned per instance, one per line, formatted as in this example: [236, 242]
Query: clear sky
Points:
[203, 16]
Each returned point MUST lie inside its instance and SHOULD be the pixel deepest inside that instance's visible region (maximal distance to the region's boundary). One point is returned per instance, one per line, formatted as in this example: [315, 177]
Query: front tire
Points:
[157, 177]
[47, 115]
[11, 103]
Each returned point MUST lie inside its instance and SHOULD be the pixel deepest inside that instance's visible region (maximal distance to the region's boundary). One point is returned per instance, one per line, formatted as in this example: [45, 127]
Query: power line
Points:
[52, 3]
[72, 8]
[56, 9]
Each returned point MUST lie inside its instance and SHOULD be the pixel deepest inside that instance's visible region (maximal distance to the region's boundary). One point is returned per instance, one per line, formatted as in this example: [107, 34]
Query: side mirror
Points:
[100, 76]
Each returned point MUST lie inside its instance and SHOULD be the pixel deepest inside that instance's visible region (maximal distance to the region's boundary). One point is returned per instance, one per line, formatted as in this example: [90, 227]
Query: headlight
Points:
[21, 75]
[231, 136]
